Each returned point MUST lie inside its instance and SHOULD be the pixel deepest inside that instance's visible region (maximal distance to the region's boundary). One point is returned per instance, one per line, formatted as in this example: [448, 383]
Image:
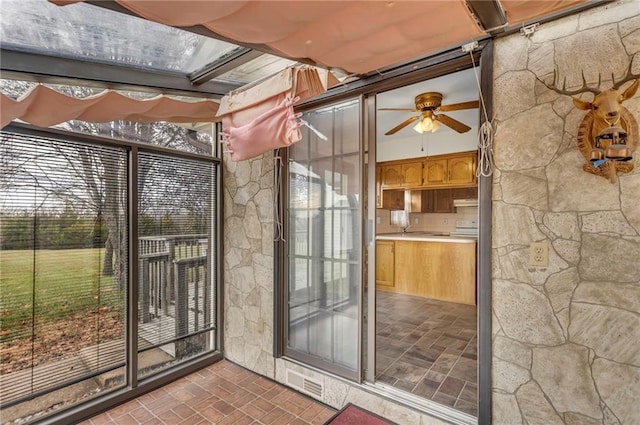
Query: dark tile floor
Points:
[223, 393]
[429, 348]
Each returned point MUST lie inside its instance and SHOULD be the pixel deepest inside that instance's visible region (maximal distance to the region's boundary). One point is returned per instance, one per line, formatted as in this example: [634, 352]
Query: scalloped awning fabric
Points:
[43, 106]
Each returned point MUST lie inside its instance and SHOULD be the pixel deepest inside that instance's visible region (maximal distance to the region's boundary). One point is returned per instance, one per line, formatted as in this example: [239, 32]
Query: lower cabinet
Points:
[385, 264]
[439, 270]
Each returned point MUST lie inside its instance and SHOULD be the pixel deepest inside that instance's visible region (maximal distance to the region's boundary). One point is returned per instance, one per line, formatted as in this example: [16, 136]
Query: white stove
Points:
[466, 228]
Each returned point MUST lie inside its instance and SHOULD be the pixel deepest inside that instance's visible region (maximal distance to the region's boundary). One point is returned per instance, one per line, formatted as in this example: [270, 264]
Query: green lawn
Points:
[66, 281]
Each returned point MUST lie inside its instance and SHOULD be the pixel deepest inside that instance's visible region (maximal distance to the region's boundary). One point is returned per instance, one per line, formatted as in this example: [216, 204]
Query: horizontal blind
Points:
[63, 262]
[176, 301]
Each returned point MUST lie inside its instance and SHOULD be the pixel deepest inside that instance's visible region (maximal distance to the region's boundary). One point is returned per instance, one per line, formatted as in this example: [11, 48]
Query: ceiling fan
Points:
[430, 105]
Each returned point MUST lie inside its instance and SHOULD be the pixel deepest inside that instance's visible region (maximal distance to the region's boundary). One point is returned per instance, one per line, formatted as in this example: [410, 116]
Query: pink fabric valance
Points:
[45, 107]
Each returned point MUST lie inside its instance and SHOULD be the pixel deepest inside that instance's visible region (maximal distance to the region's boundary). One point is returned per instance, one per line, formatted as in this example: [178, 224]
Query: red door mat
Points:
[354, 415]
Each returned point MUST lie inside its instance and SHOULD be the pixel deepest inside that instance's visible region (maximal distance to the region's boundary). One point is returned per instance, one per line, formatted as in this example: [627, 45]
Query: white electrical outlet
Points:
[416, 221]
[539, 254]
[378, 219]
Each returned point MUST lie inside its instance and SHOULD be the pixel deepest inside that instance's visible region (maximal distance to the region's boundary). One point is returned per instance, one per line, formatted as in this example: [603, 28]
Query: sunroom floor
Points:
[223, 393]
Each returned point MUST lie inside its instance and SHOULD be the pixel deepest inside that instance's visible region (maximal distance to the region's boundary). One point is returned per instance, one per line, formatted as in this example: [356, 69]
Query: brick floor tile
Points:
[101, 419]
[309, 414]
[263, 404]
[272, 392]
[141, 414]
[123, 409]
[237, 418]
[211, 413]
[248, 398]
[161, 404]
[126, 419]
[299, 400]
[273, 416]
[183, 411]
[193, 420]
[294, 408]
[287, 418]
[169, 417]
[224, 407]
[251, 410]
[153, 421]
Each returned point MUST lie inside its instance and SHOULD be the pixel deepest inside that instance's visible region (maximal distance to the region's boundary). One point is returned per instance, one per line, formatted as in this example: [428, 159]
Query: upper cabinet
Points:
[441, 171]
[391, 175]
[450, 170]
[412, 173]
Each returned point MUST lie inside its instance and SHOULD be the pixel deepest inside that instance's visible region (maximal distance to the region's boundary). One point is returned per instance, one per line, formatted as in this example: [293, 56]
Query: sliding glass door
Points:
[324, 239]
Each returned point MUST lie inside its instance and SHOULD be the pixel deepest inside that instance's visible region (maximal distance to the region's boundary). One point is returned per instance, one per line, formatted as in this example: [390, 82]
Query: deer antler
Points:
[628, 76]
[585, 88]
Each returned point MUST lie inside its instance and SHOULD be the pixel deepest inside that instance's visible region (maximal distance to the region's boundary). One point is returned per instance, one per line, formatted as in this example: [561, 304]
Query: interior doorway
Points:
[426, 229]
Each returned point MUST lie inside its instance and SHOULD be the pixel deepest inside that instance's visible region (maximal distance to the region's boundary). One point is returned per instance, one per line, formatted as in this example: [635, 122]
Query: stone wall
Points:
[248, 263]
[565, 337]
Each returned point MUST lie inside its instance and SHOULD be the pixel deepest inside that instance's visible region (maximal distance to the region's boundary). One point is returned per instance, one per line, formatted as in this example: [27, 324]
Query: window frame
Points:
[134, 386]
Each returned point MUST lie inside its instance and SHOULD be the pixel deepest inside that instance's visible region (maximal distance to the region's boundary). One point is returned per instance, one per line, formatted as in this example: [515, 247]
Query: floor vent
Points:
[304, 384]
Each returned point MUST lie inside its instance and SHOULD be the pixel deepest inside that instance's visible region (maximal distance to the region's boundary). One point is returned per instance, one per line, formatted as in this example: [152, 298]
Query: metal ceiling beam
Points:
[223, 65]
[489, 14]
[59, 70]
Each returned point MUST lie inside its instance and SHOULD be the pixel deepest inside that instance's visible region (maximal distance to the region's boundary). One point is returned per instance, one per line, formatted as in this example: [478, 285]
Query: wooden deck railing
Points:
[175, 282]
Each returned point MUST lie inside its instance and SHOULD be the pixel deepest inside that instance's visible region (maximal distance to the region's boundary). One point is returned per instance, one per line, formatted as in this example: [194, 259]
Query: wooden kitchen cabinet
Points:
[412, 174]
[437, 200]
[393, 199]
[401, 174]
[442, 201]
[391, 175]
[454, 170]
[385, 264]
[465, 193]
[435, 172]
[440, 270]
[462, 170]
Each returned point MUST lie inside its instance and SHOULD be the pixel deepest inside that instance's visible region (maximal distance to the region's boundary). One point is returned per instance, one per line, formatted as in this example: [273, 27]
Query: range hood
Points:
[465, 202]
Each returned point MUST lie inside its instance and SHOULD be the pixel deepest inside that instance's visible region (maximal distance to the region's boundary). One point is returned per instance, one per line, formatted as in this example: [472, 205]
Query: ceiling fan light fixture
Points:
[427, 124]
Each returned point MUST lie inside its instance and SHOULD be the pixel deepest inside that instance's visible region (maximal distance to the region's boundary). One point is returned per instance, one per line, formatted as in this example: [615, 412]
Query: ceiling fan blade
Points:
[458, 106]
[402, 125]
[454, 124]
[397, 109]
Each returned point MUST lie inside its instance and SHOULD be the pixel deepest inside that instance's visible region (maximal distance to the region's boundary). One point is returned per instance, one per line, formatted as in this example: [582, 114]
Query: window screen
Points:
[324, 252]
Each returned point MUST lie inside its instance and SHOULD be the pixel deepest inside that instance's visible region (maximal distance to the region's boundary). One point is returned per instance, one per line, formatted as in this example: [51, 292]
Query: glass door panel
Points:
[324, 240]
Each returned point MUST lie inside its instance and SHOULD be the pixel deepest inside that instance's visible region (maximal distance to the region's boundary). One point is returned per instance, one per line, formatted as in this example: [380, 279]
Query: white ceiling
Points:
[458, 87]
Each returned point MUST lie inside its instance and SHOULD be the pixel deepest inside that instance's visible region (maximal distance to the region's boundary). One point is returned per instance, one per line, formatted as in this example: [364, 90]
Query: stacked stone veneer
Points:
[248, 228]
[566, 338]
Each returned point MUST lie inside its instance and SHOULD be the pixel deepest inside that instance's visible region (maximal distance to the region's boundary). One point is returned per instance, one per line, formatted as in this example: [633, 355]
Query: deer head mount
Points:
[605, 111]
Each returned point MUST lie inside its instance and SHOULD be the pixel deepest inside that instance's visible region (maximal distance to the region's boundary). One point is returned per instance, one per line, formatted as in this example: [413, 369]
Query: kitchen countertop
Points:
[426, 237]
